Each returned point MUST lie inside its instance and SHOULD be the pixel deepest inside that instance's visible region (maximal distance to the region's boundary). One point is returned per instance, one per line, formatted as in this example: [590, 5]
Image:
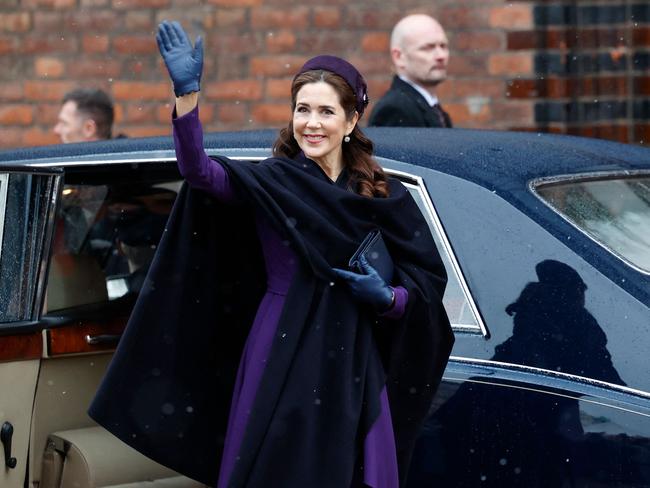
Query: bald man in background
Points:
[420, 52]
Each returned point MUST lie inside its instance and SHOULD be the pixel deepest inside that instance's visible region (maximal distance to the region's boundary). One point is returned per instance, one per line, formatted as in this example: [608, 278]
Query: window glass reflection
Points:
[615, 212]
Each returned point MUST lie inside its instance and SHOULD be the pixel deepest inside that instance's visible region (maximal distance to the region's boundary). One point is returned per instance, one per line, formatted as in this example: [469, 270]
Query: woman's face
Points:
[320, 123]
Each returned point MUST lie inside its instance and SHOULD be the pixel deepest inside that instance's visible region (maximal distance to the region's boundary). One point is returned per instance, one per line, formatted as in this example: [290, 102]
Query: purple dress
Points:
[379, 458]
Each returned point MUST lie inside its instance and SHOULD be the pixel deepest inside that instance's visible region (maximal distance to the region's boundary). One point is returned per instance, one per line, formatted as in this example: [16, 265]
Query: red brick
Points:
[92, 21]
[514, 112]
[135, 90]
[235, 44]
[45, 67]
[522, 89]
[11, 91]
[277, 114]
[510, 64]
[642, 85]
[136, 68]
[372, 64]
[273, 18]
[39, 137]
[47, 90]
[512, 16]
[461, 88]
[48, 44]
[48, 22]
[6, 45]
[136, 21]
[328, 41]
[468, 65]
[276, 66]
[231, 113]
[372, 18]
[140, 113]
[16, 114]
[56, 4]
[375, 42]
[234, 90]
[135, 44]
[279, 42]
[463, 16]
[11, 138]
[195, 19]
[139, 4]
[236, 3]
[461, 116]
[278, 88]
[612, 132]
[147, 130]
[641, 36]
[206, 113]
[94, 3]
[377, 87]
[478, 41]
[15, 22]
[642, 134]
[164, 112]
[226, 67]
[95, 68]
[48, 113]
[327, 17]
[230, 18]
[95, 43]
[119, 113]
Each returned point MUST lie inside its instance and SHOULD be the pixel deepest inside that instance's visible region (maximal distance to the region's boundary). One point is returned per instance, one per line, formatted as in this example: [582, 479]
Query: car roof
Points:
[486, 157]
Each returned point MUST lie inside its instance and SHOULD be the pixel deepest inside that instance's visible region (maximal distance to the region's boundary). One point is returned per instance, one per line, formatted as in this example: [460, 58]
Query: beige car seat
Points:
[94, 458]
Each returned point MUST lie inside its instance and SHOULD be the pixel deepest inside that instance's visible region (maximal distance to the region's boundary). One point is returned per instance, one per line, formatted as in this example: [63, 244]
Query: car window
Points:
[459, 305]
[23, 204]
[614, 211]
[105, 236]
[3, 202]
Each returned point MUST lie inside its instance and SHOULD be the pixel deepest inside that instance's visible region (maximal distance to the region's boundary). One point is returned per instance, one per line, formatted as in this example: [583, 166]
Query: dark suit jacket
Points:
[403, 106]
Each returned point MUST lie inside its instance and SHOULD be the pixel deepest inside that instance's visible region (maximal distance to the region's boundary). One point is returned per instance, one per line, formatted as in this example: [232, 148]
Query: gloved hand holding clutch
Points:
[184, 62]
[369, 288]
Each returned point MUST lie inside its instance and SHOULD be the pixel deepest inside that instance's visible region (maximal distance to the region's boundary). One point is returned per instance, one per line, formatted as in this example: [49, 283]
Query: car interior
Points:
[106, 230]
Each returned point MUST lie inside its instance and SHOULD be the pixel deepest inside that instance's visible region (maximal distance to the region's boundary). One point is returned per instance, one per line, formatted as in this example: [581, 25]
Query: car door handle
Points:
[102, 339]
[6, 433]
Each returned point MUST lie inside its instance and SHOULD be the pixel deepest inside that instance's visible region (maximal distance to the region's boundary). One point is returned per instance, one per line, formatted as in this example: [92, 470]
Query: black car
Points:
[546, 240]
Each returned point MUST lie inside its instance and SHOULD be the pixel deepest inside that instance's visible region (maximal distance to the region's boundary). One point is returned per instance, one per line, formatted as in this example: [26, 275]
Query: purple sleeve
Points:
[194, 164]
[399, 306]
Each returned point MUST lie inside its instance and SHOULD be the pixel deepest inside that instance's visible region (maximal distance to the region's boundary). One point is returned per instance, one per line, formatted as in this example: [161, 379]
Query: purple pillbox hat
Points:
[346, 71]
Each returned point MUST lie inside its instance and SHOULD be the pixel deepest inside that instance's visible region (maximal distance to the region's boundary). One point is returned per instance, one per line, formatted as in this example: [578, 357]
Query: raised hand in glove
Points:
[184, 62]
[369, 287]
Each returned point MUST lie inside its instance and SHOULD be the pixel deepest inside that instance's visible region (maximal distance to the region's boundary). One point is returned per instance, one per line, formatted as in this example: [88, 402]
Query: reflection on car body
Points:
[546, 241]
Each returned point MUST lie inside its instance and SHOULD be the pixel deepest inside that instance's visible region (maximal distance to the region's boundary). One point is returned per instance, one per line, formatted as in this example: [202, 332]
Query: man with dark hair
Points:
[86, 115]
[420, 53]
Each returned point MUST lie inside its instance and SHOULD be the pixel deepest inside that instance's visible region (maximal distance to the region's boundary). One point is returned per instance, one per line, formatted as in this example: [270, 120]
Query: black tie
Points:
[437, 109]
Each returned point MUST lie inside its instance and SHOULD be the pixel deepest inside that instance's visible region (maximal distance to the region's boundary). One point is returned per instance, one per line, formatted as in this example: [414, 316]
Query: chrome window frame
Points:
[407, 179]
[4, 183]
[417, 184]
[536, 183]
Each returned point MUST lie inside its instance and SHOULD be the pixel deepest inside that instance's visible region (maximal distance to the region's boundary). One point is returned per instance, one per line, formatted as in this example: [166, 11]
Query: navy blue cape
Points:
[168, 388]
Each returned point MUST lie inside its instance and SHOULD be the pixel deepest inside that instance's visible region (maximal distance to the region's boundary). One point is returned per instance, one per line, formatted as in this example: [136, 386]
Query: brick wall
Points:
[564, 66]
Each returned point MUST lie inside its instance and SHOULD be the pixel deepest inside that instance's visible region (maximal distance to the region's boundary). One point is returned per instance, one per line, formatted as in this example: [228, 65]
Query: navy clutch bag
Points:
[376, 253]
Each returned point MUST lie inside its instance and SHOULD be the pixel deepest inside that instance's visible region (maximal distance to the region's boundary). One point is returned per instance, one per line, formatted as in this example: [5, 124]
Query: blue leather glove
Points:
[184, 62]
[369, 287]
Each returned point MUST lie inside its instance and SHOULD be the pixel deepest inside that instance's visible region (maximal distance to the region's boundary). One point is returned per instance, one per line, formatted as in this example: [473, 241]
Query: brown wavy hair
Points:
[367, 177]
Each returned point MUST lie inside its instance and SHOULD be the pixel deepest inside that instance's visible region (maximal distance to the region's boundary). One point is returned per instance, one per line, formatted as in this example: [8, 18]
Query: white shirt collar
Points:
[431, 99]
